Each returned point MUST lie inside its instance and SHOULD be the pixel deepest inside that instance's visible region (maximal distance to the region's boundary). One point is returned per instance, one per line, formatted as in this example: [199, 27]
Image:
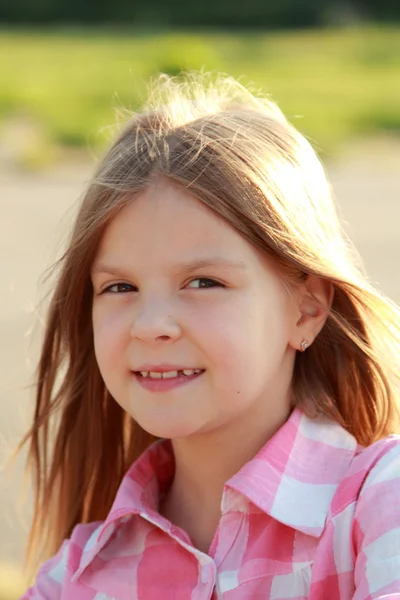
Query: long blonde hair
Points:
[237, 153]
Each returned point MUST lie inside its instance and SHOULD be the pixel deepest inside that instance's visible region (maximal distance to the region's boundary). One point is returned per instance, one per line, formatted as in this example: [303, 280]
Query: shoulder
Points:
[366, 499]
[377, 505]
[369, 467]
[364, 519]
[378, 463]
[376, 523]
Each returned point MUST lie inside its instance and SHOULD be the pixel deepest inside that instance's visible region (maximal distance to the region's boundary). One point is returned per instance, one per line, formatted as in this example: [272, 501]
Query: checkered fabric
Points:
[312, 515]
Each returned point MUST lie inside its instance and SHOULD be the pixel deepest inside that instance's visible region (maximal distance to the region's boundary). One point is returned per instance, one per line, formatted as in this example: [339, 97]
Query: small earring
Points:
[304, 345]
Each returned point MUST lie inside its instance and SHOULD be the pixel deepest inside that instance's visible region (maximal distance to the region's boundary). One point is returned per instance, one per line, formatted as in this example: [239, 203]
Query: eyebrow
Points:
[189, 267]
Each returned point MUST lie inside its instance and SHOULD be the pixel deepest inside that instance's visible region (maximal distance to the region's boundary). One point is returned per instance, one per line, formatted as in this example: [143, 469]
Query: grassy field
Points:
[333, 84]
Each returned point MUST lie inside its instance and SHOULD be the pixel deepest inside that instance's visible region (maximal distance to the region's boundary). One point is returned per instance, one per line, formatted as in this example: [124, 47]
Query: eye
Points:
[118, 288]
[210, 283]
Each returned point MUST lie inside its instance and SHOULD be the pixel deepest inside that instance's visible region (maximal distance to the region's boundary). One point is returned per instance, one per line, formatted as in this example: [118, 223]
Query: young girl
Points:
[217, 406]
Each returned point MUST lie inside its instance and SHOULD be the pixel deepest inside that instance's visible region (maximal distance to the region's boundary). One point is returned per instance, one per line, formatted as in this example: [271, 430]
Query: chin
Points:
[166, 430]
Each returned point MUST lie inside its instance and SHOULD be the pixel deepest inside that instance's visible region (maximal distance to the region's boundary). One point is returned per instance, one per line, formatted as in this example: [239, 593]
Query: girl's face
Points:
[175, 287]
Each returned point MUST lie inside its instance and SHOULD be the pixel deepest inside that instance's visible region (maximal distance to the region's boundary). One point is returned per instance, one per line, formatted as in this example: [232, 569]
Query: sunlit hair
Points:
[237, 153]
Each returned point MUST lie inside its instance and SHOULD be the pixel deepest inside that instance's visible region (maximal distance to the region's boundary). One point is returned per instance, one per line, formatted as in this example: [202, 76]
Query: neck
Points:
[203, 464]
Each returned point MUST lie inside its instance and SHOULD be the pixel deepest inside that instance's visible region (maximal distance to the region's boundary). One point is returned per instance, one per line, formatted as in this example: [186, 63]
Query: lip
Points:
[163, 368]
[165, 385]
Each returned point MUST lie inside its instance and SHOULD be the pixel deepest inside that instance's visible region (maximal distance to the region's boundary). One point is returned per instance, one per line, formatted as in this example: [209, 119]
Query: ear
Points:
[313, 301]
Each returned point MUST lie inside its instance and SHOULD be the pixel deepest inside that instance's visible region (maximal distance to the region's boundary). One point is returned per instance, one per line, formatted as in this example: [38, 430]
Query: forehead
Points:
[166, 223]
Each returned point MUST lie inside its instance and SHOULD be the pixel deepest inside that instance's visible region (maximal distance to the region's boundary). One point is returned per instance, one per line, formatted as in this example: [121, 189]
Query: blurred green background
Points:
[67, 69]
[64, 87]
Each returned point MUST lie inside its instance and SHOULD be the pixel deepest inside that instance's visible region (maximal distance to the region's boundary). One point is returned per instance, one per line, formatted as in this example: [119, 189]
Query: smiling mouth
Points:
[159, 381]
[157, 375]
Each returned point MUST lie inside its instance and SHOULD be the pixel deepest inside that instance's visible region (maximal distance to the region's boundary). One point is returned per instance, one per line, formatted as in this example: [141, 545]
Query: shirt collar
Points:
[293, 478]
[295, 475]
[139, 493]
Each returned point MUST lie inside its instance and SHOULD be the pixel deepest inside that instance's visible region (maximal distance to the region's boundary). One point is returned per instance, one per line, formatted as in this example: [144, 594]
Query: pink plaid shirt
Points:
[312, 515]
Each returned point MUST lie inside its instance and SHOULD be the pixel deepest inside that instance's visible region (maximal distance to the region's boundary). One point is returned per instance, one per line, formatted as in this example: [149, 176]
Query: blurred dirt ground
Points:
[36, 211]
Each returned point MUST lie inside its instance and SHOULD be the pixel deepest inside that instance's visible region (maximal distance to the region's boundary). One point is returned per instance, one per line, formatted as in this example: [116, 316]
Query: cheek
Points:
[110, 335]
[249, 340]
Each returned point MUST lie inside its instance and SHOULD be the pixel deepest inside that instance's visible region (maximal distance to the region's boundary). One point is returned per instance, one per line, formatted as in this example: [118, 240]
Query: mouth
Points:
[157, 375]
[154, 381]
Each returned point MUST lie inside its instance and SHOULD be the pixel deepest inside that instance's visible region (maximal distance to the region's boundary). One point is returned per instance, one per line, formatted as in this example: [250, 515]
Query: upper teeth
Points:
[169, 374]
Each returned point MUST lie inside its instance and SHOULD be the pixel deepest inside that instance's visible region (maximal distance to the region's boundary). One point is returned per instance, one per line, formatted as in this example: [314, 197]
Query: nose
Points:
[155, 323]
